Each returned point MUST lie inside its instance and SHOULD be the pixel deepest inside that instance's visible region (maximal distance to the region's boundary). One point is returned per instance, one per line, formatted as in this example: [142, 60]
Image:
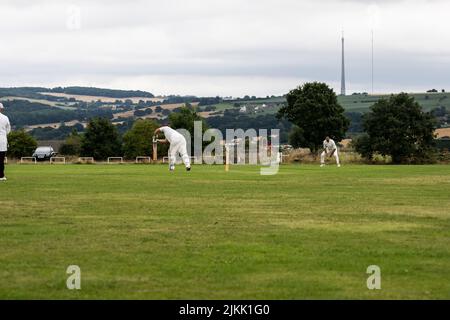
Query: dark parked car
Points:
[44, 153]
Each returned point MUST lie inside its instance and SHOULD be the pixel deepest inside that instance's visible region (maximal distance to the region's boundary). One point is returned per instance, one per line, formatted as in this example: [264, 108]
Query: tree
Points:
[100, 140]
[21, 144]
[138, 141]
[184, 119]
[314, 109]
[72, 144]
[142, 113]
[399, 128]
[296, 137]
[233, 119]
[439, 111]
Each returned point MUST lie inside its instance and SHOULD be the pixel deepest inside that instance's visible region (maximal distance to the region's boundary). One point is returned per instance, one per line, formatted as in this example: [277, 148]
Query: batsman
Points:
[178, 145]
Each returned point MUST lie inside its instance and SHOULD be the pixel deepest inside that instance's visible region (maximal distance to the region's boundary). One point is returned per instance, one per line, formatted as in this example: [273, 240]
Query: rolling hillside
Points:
[352, 103]
[428, 101]
[44, 111]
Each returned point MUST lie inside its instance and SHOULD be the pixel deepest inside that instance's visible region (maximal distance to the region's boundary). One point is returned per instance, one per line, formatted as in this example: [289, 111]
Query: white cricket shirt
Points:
[5, 128]
[330, 145]
[170, 134]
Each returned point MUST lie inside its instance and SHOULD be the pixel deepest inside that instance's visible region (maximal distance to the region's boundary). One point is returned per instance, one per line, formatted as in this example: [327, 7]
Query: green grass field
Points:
[137, 231]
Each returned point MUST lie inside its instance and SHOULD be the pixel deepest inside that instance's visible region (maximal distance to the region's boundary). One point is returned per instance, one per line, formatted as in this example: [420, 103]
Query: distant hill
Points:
[111, 93]
[24, 92]
[353, 103]
[39, 92]
[362, 102]
[52, 113]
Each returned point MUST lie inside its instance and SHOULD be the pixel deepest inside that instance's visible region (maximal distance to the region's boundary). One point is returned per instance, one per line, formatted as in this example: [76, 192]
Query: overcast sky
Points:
[224, 47]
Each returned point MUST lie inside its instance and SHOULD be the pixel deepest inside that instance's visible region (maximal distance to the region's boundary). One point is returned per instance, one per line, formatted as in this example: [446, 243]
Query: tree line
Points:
[102, 139]
[22, 113]
[395, 126]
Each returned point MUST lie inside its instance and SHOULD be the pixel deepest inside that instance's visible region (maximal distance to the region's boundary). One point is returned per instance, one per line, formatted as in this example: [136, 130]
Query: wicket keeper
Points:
[330, 150]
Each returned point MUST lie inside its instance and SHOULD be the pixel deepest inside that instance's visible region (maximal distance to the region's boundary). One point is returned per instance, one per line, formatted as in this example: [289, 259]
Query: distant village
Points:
[258, 108]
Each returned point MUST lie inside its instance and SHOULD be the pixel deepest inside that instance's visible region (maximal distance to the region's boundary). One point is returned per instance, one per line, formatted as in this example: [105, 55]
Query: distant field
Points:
[41, 101]
[444, 132]
[354, 103]
[127, 114]
[362, 103]
[139, 232]
[55, 125]
[357, 103]
[103, 99]
[224, 106]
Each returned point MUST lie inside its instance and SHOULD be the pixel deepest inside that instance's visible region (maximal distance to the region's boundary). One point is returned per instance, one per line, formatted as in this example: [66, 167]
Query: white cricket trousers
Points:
[179, 147]
[324, 154]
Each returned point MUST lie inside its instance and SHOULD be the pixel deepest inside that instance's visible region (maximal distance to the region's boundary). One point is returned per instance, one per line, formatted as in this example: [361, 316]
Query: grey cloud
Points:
[173, 41]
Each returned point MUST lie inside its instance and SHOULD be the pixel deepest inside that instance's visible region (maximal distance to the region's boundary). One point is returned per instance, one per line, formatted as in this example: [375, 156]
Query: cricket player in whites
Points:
[178, 145]
[330, 150]
[5, 128]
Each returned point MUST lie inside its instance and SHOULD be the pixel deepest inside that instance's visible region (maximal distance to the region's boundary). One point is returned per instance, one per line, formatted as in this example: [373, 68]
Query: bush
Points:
[139, 140]
[397, 127]
[101, 140]
[296, 137]
[444, 156]
[72, 145]
[305, 156]
[21, 144]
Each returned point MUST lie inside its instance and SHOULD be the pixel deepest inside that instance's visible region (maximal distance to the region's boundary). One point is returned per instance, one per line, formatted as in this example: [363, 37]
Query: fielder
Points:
[5, 128]
[178, 145]
[330, 149]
